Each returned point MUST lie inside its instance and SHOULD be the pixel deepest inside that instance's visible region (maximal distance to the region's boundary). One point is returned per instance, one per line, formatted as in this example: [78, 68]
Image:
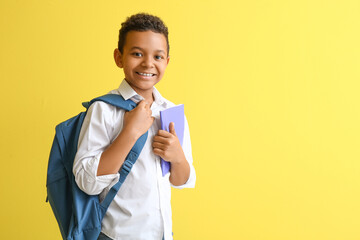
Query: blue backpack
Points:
[79, 215]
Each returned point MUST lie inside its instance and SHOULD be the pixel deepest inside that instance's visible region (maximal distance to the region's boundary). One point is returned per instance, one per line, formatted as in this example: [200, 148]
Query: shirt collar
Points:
[127, 92]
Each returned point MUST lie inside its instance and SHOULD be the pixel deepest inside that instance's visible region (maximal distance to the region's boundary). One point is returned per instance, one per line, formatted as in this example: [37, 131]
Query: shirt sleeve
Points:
[94, 138]
[188, 155]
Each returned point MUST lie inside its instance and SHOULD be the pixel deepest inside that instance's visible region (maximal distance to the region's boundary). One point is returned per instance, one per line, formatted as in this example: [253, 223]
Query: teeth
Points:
[146, 74]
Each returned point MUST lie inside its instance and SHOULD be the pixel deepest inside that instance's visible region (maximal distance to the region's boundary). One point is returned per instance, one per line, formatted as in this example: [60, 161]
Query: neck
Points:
[148, 96]
[149, 99]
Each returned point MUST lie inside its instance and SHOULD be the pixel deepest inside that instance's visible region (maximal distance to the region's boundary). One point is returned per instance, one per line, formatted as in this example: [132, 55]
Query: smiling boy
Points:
[141, 209]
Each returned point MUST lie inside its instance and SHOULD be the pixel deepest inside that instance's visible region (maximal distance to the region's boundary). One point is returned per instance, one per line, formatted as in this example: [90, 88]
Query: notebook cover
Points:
[176, 115]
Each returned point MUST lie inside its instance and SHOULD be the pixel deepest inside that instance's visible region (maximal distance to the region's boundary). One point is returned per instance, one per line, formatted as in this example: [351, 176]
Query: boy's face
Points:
[144, 60]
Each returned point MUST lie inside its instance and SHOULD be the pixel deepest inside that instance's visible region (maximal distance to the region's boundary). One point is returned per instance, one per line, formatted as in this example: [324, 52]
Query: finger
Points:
[142, 103]
[158, 145]
[172, 128]
[147, 105]
[159, 152]
[164, 133]
[160, 139]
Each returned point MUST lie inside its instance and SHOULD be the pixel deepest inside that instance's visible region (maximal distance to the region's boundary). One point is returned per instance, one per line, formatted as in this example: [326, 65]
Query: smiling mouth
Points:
[146, 74]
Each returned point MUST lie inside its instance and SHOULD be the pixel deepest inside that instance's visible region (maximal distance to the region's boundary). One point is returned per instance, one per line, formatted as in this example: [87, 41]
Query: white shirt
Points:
[141, 209]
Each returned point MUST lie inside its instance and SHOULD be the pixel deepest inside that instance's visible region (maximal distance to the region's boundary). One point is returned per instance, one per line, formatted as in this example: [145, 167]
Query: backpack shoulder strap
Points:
[118, 101]
[113, 99]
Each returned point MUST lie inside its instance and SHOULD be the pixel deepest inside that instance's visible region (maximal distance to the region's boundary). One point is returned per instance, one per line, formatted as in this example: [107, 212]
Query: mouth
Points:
[145, 74]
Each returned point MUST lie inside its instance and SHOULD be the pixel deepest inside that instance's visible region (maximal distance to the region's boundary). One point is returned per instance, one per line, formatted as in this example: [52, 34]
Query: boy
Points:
[141, 209]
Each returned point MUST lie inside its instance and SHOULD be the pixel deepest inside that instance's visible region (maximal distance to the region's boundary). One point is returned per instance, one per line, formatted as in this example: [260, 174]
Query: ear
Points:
[168, 59]
[118, 58]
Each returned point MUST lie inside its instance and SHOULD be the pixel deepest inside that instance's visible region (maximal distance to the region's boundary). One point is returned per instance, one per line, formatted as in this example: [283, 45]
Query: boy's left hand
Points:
[167, 145]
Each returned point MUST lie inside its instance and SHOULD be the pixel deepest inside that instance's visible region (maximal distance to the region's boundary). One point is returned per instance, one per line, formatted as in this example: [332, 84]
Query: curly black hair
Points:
[142, 22]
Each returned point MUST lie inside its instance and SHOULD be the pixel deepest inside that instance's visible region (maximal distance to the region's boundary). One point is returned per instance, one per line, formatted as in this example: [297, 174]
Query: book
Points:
[176, 115]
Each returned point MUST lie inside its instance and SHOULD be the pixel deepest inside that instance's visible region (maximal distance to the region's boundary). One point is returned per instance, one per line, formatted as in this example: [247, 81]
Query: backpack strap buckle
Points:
[127, 165]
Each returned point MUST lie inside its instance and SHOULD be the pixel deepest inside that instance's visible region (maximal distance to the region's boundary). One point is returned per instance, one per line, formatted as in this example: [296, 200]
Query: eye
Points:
[158, 57]
[137, 54]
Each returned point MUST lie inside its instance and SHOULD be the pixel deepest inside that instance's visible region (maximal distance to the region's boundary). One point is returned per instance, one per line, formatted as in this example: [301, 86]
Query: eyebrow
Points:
[139, 48]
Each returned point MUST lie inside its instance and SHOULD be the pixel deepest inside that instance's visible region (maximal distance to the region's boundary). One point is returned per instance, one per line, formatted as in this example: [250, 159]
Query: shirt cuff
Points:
[93, 184]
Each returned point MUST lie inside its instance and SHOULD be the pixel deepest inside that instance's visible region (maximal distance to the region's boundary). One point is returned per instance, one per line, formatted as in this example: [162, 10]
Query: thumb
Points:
[172, 128]
[141, 103]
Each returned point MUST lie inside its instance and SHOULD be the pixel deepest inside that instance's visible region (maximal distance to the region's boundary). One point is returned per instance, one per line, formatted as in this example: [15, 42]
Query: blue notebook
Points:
[176, 115]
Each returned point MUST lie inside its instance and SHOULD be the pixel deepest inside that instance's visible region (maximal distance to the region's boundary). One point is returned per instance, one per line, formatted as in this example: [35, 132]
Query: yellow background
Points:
[271, 91]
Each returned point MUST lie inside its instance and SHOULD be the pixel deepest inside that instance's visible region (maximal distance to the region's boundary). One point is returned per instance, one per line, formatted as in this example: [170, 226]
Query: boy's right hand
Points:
[138, 120]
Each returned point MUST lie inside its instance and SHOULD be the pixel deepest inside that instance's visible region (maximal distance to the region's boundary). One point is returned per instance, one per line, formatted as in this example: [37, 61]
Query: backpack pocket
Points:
[60, 199]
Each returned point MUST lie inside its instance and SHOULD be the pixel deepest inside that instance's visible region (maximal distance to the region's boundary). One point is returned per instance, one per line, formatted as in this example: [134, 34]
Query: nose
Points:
[147, 62]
